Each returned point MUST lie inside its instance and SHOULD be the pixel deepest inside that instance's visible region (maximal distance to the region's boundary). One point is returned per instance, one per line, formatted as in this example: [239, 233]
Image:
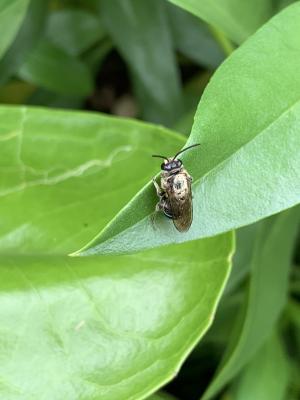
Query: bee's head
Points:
[173, 163]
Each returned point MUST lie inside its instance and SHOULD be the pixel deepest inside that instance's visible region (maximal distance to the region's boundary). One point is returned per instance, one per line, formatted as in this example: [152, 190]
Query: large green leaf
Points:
[96, 327]
[266, 297]
[237, 18]
[29, 34]
[51, 68]
[248, 167]
[106, 327]
[12, 13]
[141, 33]
[82, 164]
[267, 375]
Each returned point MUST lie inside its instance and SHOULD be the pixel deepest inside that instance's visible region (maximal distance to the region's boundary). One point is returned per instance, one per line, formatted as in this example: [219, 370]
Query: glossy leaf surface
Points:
[72, 328]
[83, 164]
[248, 165]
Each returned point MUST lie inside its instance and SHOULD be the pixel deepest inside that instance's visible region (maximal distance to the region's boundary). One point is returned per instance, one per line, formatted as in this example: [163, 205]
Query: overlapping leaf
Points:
[248, 165]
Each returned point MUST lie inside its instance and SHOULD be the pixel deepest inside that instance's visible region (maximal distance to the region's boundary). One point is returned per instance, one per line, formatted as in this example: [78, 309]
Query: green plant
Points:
[97, 301]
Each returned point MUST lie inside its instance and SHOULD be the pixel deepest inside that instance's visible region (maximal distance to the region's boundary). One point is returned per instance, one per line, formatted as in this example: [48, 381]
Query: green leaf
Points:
[12, 13]
[105, 327]
[266, 297]
[248, 165]
[29, 34]
[238, 19]
[74, 30]
[61, 175]
[193, 38]
[53, 69]
[82, 164]
[141, 33]
[266, 376]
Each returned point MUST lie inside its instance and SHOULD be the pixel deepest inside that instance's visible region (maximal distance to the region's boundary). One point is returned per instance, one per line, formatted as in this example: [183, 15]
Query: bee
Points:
[175, 191]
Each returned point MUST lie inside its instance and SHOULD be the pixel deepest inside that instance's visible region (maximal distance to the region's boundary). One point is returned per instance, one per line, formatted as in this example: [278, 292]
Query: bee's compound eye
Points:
[162, 166]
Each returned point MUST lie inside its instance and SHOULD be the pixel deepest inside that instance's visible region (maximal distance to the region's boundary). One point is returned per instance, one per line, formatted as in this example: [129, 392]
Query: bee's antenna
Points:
[156, 155]
[187, 148]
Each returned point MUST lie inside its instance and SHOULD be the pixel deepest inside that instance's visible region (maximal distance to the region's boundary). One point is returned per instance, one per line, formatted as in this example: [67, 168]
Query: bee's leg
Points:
[159, 191]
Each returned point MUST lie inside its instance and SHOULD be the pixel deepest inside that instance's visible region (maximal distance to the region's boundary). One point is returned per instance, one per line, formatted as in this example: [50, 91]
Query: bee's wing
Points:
[182, 211]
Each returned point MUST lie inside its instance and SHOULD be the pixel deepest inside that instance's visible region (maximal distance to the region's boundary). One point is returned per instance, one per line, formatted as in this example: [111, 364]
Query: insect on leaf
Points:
[248, 165]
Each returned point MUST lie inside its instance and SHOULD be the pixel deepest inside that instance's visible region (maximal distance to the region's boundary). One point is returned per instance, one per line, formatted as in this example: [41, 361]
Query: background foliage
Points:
[115, 82]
